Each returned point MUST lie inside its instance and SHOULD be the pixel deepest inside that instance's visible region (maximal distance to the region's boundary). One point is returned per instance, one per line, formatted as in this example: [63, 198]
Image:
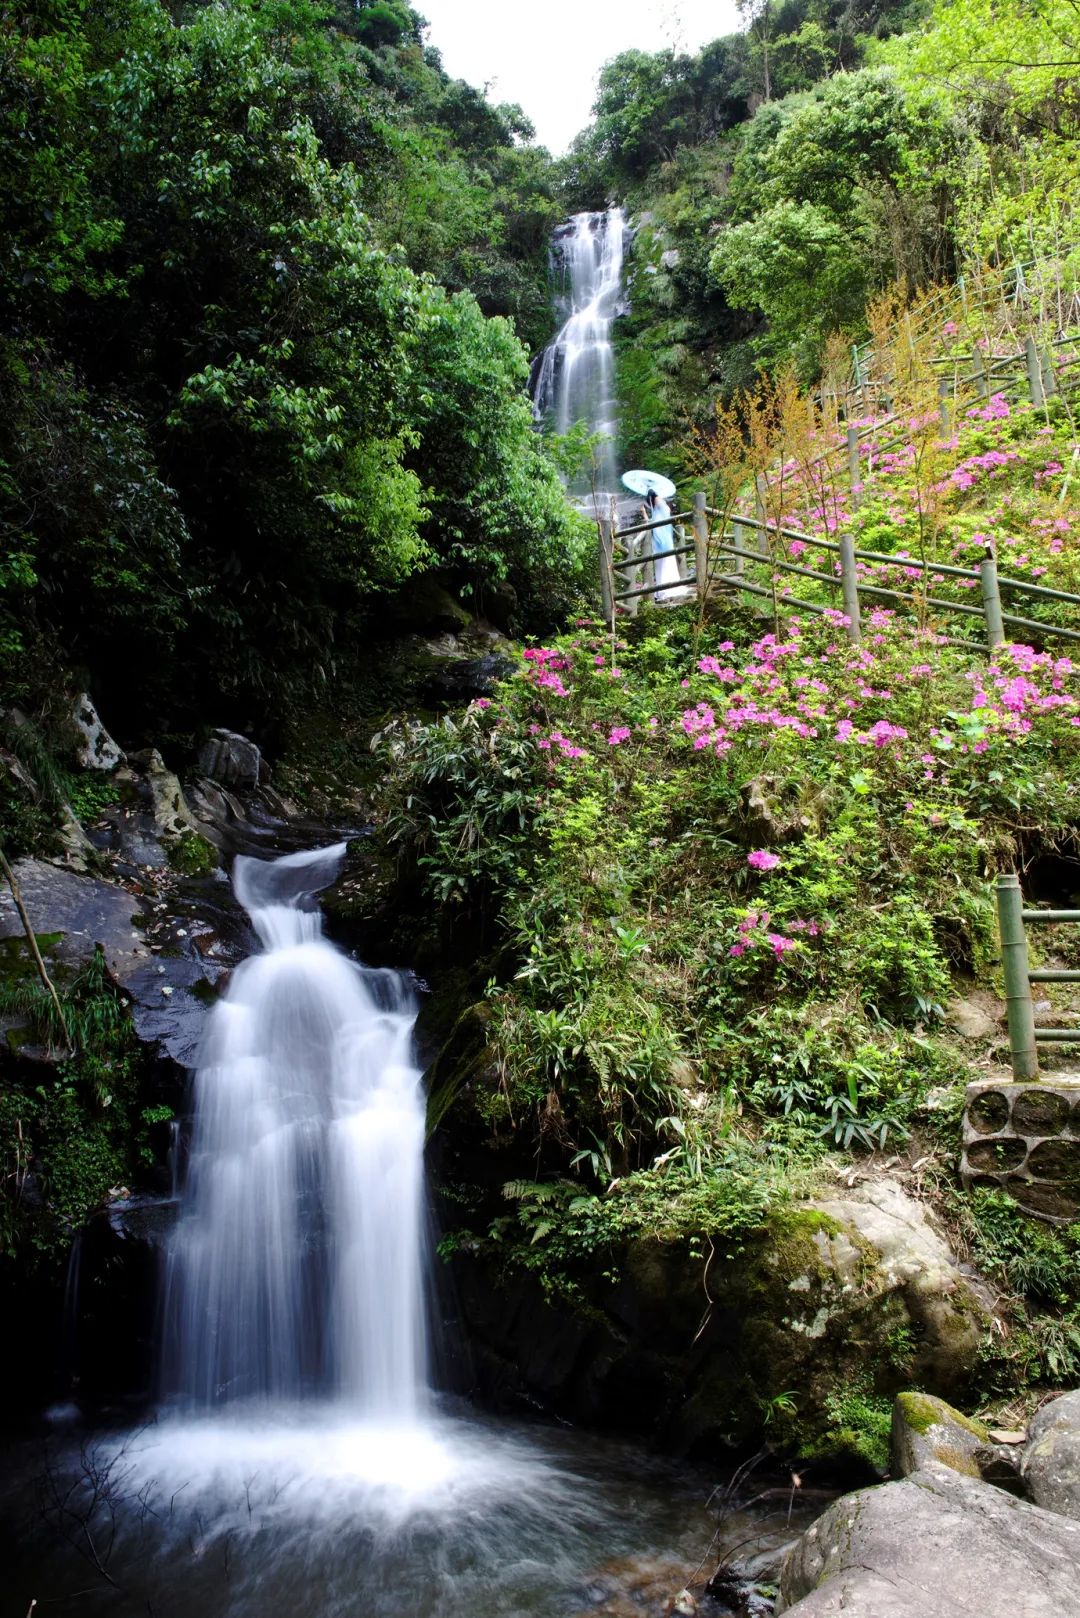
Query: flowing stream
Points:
[575, 380]
[300, 1461]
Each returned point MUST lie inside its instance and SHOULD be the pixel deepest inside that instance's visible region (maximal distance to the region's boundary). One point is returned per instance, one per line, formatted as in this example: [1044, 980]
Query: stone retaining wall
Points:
[1026, 1139]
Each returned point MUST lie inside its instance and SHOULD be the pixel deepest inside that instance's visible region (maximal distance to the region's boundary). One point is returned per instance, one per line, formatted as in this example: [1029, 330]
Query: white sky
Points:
[546, 54]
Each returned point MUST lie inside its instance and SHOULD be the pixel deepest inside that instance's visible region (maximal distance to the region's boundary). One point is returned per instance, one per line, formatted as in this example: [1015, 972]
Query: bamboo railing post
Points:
[991, 597]
[849, 580]
[759, 513]
[979, 373]
[701, 547]
[738, 535]
[944, 411]
[853, 463]
[1014, 962]
[605, 545]
[1049, 381]
[1034, 372]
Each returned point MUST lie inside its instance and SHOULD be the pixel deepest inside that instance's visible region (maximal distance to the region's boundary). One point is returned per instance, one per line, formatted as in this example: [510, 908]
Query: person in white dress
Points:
[663, 539]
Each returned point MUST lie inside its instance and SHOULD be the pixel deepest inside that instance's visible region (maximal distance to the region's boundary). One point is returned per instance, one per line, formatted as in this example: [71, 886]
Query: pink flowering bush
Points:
[618, 831]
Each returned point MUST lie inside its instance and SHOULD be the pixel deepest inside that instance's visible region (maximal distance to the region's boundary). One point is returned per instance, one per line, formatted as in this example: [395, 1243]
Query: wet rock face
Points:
[112, 1351]
[463, 679]
[80, 912]
[231, 759]
[1051, 1462]
[169, 962]
[935, 1545]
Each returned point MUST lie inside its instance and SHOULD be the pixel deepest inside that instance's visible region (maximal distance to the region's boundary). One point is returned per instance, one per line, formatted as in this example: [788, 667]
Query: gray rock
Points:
[170, 813]
[465, 678]
[973, 1018]
[925, 1429]
[231, 759]
[936, 1545]
[1051, 1464]
[76, 849]
[170, 994]
[82, 910]
[669, 259]
[949, 1310]
[95, 748]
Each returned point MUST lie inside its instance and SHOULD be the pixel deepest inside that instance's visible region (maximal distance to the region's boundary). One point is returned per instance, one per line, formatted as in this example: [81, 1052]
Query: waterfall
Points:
[298, 1265]
[575, 380]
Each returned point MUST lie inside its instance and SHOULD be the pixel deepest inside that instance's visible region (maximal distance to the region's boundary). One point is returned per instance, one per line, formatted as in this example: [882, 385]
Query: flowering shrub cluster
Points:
[811, 688]
[994, 483]
[706, 848]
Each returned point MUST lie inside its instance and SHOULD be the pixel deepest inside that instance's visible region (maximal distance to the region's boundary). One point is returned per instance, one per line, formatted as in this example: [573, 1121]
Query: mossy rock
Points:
[926, 1429]
[801, 1335]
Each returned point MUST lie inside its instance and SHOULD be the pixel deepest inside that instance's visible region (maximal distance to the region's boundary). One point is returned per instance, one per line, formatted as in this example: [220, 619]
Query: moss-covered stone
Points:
[925, 1429]
[800, 1333]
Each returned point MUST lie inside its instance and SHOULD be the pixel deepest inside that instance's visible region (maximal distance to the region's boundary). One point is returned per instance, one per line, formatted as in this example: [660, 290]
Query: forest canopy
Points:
[258, 359]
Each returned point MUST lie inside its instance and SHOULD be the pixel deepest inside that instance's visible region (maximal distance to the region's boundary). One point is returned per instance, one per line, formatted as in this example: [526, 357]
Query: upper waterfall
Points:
[298, 1265]
[575, 379]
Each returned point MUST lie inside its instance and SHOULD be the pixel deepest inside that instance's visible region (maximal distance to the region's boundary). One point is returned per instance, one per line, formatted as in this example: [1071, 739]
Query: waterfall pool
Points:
[308, 1508]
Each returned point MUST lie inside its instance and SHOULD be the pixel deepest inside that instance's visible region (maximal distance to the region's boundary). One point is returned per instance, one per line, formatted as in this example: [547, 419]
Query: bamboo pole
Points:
[738, 532]
[991, 595]
[701, 547]
[853, 463]
[1034, 372]
[849, 579]
[1014, 961]
[606, 546]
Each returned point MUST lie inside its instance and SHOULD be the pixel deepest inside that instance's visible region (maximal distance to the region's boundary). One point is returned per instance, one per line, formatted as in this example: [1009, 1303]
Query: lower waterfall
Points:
[298, 1267]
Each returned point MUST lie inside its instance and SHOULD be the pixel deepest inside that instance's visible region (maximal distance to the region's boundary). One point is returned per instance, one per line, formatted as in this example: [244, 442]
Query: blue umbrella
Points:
[640, 482]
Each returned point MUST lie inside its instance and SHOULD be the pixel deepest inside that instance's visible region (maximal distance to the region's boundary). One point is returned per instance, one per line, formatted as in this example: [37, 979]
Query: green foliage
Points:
[90, 793]
[556, 1224]
[71, 1130]
[832, 196]
[496, 505]
[1037, 1269]
[192, 855]
[1032, 1258]
[860, 1423]
[656, 988]
[233, 414]
[1008, 70]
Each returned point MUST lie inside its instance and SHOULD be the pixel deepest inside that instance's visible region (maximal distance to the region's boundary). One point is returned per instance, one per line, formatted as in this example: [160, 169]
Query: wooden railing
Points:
[621, 566]
[628, 566]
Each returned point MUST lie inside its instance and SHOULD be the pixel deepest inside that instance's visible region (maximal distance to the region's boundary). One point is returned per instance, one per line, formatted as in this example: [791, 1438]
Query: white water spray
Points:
[576, 379]
[298, 1267]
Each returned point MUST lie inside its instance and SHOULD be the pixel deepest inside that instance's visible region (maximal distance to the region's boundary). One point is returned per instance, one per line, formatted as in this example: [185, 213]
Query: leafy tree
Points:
[497, 508]
[223, 427]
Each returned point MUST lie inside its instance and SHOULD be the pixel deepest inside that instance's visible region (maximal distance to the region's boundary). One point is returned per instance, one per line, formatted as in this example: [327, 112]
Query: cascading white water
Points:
[297, 1270]
[576, 377]
[298, 1266]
